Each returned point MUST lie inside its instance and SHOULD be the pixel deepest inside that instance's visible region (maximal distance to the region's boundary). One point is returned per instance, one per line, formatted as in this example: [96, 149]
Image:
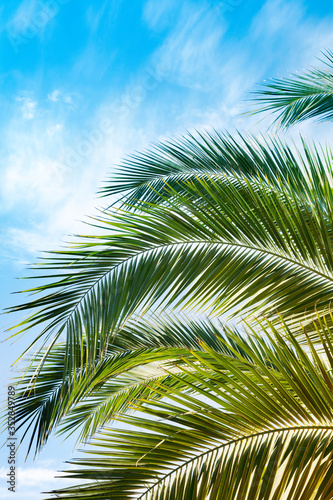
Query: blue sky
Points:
[83, 83]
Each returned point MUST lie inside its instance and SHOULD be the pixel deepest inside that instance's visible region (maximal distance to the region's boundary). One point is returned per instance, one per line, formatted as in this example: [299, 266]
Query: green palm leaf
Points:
[148, 176]
[301, 97]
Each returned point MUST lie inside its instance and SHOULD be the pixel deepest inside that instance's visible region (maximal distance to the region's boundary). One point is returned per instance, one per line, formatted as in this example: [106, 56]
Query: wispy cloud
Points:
[160, 15]
[48, 203]
[191, 52]
[30, 20]
[198, 54]
[95, 13]
[288, 36]
[49, 195]
[33, 476]
[276, 16]
[24, 16]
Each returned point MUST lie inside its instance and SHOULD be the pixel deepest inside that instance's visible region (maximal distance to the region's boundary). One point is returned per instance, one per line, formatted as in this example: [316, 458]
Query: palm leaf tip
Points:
[308, 95]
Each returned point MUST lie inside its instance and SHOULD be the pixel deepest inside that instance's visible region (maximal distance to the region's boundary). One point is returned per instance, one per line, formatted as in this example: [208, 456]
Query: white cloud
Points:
[275, 16]
[287, 36]
[52, 204]
[32, 480]
[67, 99]
[95, 13]
[54, 96]
[45, 199]
[47, 192]
[28, 107]
[33, 476]
[30, 176]
[58, 95]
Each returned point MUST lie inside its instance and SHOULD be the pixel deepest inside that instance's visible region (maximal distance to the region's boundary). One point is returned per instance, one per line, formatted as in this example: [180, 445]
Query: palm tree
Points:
[208, 226]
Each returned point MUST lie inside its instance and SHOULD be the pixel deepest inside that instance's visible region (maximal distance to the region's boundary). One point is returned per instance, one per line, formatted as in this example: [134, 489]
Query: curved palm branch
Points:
[90, 398]
[224, 244]
[246, 430]
[303, 96]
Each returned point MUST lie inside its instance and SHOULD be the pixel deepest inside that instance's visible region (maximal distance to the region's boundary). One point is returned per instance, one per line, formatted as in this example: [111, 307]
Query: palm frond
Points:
[147, 177]
[300, 97]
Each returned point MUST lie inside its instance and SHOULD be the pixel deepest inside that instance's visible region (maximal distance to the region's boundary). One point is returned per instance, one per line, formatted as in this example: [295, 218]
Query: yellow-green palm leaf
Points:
[258, 429]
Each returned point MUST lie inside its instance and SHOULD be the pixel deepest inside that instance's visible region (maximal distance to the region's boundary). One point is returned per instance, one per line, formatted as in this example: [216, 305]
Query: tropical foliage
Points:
[133, 334]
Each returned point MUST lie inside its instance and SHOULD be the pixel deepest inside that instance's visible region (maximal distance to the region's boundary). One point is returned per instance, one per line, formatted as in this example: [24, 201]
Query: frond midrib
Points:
[280, 256]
